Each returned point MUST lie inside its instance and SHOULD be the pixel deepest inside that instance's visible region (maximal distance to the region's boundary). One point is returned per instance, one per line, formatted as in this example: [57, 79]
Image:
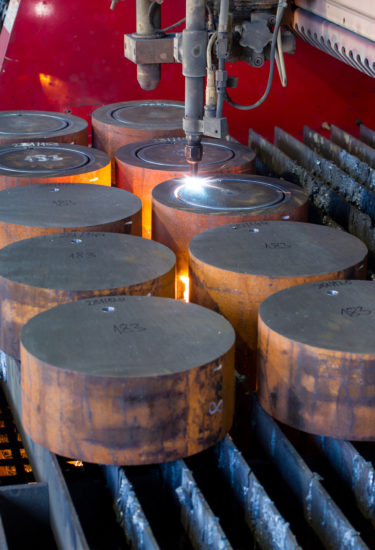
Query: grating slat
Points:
[327, 171]
[353, 145]
[352, 165]
[332, 206]
[354, 470]
[261, 515]
[201, 525]
[130, 514]
[367, 136]
[325, 518]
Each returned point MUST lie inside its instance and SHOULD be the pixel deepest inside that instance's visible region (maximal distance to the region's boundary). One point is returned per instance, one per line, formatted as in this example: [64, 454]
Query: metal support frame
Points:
[63, 516]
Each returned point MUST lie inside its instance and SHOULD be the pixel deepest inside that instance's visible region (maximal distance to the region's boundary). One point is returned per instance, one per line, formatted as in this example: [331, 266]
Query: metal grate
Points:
[14, 464]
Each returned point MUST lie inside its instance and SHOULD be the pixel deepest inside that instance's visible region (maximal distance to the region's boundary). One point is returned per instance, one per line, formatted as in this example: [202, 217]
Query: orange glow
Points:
[185, 281]
[52, 86]
[76, 463]
[45, 79]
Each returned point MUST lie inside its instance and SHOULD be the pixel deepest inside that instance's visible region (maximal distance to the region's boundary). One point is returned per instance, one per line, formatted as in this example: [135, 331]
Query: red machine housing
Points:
[69, 56]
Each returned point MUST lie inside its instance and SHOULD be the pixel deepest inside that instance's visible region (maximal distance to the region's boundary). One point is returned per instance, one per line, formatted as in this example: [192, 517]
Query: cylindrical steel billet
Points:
[181, 209]
[235, 267]
[23, 163]
[317, 358]
[141, 166]
[131, 380]
[118, 124]
[37, 126]
[33, 210]
[42, 272]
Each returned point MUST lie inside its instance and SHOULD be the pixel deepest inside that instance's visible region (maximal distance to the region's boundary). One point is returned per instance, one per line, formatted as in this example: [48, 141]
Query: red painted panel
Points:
[68, 56]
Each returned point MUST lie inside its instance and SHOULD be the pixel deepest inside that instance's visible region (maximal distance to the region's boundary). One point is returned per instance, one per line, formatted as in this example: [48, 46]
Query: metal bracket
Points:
[148, 51]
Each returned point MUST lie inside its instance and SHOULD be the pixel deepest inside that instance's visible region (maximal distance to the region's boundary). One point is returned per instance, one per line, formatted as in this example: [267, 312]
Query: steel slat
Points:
[129, 511]
[320, 511]
[200, 523]
[269, 527]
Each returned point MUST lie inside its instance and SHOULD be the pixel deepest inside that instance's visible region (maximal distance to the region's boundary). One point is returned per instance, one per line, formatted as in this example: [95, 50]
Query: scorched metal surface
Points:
[317, 358]
[149, 379]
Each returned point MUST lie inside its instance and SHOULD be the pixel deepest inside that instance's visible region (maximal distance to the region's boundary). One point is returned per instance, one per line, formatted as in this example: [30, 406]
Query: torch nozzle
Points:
[194, 169]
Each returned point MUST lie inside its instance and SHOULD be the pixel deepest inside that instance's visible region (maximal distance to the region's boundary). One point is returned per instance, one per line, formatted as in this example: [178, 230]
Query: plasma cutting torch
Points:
[217, 31]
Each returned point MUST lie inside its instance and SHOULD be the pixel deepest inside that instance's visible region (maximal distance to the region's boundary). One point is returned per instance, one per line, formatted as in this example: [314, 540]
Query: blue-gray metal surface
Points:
[352, 165]
[354, 470]
[200, 523]
[129, 511]
[320, 511]
[270, 530]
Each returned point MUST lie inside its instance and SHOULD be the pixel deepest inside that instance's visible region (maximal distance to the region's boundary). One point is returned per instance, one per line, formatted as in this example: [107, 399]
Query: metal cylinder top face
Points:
[38, 123]
[169, 154]
[17, 123]
[84, 261]
[224, 193]
[334, 315]
[133, 341]
[41, 160]
[142, 114]
[278, 249]
[66, 205]
[156, 114]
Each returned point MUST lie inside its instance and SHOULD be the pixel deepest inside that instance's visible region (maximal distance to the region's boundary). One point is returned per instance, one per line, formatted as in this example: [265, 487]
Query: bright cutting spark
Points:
[194, 182]
[185, 281]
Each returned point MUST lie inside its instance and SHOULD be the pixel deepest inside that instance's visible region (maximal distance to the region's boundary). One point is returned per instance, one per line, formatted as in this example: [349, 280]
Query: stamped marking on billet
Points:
[330, 284]
[103, 301]
[123, 328]
[279, 246]
[82, 255]
[43, 158]
[355, 311]
[214, 408]
[62, 202]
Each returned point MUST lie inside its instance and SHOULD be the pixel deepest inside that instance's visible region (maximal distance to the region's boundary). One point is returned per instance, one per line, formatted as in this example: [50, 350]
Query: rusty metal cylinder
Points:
[33, 210]
[317, 358]
[131, 380]
[23, 164]
[235, 267]
[141, 166]
[42, 272]
[182, 209]
[41, 126]
[118, 124]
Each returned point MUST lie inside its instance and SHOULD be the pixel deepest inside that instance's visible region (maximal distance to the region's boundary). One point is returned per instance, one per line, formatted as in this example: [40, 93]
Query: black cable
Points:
[270, 76]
